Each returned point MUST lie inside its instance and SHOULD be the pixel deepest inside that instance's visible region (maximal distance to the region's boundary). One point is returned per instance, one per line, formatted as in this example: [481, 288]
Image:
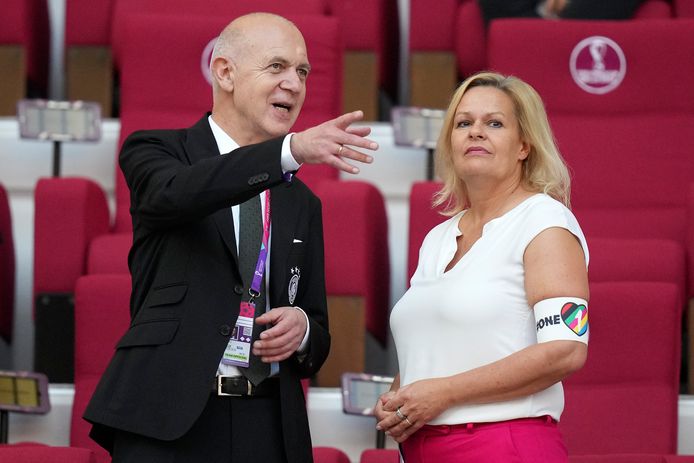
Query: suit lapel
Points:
[200, 144]
[283, 226]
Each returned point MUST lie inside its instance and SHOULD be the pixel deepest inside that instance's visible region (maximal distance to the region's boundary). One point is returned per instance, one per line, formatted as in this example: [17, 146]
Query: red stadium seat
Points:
[679, 458]
[626, 184]
[7, 268]
[24, 46]
[102, 315]
[683, 8]
[371, 53]
[62, 235]
[654, 9]
[329, 455]
[380, 456]
[224, 10]
[371, 59]
[423, 217]
[356, 266]
[630, 380]
[32, 453]
[448, 41]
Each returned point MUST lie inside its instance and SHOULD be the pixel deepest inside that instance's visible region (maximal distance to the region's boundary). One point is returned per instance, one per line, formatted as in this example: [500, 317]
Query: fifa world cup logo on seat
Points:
[598, 65]
[597, 51]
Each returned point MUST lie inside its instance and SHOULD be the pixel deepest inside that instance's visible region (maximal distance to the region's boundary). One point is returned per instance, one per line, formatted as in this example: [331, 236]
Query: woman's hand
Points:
[418, 403]
[379, 412]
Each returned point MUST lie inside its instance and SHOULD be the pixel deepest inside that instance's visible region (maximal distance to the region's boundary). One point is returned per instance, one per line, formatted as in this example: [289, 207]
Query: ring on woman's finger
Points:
[408, 421]
[400, 414]
[339, 152]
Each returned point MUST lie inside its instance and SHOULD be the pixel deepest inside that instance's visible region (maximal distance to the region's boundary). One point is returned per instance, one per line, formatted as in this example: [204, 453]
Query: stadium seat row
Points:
[447, 41]
[368, 30]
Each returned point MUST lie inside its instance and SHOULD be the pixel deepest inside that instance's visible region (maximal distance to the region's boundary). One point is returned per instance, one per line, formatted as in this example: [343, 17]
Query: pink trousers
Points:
[527, 440]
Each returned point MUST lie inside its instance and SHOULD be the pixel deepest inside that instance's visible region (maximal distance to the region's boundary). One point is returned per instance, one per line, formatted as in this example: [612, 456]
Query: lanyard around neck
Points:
[254, 290]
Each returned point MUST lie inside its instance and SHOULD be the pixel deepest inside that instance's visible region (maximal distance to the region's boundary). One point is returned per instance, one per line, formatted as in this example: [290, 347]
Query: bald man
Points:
[197, 378]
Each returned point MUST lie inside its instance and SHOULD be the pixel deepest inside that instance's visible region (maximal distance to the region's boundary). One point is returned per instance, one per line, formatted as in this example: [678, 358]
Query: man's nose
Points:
[291, 82]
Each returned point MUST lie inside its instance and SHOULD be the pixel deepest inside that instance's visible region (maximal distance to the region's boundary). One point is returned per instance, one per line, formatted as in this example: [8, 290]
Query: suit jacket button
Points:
[238, 289]
[225, 330]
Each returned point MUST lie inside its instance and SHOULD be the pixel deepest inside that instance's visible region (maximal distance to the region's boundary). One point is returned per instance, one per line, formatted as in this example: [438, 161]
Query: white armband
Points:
[562, 319]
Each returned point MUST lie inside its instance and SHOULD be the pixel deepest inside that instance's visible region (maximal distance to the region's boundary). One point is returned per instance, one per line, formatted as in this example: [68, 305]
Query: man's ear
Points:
[222, 71]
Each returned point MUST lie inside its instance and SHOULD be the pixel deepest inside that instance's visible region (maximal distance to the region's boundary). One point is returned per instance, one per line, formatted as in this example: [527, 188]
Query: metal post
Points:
[380, 439]
[4, 426]
[56, 158]
[430, 164]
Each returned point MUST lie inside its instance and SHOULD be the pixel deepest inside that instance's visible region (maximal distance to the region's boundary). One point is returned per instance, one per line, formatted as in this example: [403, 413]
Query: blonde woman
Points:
[496, 315]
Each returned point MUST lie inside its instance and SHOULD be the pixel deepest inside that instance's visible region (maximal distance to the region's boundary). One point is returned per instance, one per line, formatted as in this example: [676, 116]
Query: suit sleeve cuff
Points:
[287, 161]
[303, 347]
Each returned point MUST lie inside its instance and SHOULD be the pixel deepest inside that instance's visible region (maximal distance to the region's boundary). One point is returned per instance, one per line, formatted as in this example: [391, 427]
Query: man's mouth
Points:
[282, 106]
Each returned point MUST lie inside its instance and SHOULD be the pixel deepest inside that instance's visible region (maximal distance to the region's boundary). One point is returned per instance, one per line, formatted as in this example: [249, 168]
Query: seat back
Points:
[374, 27]
[631, 377]
[24, 46]
[357, 260]
[88, 22]
[329, 455]
[23, 453]
[623, 259]
[380, 456]
[654, 9]
[220, 8]
[683, 8]
[458, 26]
[625, 181]
[164, 85]
[423, 217]
[102, 315]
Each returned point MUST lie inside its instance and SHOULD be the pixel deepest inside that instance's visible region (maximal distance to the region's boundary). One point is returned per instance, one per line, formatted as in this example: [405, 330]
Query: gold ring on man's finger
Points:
[339, 152]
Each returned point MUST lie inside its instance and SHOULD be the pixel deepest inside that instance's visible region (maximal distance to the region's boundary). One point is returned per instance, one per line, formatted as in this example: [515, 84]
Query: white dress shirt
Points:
[226, 145]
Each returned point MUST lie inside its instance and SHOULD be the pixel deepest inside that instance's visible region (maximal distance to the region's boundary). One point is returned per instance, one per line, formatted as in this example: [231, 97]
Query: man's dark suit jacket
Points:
[187, 287]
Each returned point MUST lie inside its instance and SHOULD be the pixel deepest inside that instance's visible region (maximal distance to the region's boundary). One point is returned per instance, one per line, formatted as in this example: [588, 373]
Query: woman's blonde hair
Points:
[543, 170]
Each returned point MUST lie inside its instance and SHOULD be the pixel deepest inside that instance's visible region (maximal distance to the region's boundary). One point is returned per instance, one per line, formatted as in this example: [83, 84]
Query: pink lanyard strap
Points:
[254, 290]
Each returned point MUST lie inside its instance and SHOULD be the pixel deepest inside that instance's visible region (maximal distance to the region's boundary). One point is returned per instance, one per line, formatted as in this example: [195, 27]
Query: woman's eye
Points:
[463, 124]
[495, 124]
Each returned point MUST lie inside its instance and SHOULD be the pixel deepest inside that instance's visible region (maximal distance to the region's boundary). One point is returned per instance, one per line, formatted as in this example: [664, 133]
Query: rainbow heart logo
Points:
[575, 316]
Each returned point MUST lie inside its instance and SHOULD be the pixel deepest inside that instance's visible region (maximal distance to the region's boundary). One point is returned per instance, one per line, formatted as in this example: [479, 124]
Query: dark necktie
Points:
[250, 238]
